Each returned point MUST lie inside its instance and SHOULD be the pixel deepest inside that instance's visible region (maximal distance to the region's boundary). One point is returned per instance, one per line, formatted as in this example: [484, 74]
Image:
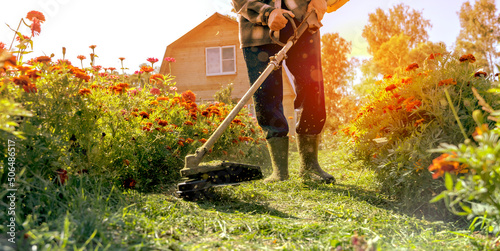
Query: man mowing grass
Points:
[256, 18]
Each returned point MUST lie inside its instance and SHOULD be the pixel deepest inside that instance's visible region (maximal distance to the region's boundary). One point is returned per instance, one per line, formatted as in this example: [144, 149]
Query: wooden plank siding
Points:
[189, 69]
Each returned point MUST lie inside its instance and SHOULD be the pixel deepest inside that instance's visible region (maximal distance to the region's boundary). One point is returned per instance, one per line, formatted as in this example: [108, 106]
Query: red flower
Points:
[162, 122]
[43, 59]
[84, 91]
[144, 115]
[36, 28]
[35, 14]
[390, 87]
[62, 175]
[129, 183]
[152, 60]
[81, 57]
[155, 91]
[467, 58]
[30, 88]
[92, 46]
[434, 55]
[412, 67]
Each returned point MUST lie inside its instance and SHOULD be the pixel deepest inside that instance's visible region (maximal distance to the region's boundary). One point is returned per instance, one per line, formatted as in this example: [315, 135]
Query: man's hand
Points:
[320, 6]
[277, 21]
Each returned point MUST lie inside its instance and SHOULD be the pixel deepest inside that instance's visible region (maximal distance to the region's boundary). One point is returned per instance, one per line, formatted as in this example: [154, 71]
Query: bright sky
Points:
[138, 30]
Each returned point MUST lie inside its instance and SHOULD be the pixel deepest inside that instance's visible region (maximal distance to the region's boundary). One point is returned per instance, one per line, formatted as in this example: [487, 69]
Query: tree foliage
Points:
[480, 32]
[401, 19]
[338, 73]
[391, 36]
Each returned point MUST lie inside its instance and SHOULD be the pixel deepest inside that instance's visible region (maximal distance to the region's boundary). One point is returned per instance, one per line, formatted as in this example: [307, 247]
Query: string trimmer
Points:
[200, 176]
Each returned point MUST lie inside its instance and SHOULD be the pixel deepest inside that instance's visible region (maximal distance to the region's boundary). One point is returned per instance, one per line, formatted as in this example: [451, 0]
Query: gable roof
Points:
[207, 21]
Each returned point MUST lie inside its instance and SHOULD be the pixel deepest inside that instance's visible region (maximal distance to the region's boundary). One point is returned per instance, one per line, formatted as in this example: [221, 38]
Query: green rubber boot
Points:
[278, 148]
[309, 166]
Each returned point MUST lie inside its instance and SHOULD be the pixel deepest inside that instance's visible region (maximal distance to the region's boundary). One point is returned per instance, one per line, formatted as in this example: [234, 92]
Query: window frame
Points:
[221, 60]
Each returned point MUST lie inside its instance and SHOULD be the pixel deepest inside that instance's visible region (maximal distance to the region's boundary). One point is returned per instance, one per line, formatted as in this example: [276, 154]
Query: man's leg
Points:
[304, 62]
[268, 101]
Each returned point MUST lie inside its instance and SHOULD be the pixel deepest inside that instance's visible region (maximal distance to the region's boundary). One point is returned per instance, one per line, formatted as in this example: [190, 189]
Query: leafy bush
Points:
[478, 192]
[407, 115]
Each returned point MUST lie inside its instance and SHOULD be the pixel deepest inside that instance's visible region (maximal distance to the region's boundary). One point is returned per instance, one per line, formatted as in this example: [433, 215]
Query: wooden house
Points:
[209, 57]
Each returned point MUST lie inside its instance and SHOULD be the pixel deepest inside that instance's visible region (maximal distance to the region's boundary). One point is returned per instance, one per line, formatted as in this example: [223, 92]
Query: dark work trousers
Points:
[304, 62]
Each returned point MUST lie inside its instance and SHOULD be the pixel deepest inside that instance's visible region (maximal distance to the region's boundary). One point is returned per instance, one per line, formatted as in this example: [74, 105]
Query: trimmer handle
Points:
[310, 23]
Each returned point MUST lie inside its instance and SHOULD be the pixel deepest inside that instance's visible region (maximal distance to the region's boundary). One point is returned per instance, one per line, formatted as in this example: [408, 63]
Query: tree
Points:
[338, 73]
[392, 35]
[480, 32]
[401, 19]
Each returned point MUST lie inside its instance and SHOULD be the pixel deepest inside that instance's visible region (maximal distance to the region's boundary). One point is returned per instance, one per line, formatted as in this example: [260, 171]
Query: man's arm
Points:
[254, 11]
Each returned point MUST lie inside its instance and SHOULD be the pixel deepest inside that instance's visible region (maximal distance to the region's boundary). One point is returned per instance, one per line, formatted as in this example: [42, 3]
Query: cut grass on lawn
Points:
[290, 215]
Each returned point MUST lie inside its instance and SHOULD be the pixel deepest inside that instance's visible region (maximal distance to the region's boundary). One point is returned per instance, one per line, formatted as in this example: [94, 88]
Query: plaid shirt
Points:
[254, 15]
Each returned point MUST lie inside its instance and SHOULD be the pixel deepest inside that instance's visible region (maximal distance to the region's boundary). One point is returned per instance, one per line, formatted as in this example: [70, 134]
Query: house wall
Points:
[189, 69]
[190, 66]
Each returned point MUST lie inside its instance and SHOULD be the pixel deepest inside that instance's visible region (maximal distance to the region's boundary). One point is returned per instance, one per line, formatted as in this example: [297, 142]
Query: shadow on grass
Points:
[229, 203]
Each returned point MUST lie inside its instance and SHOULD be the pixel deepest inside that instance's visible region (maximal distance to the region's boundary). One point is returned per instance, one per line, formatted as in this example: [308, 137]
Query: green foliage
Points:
[224, 95]
[476, 194]
[408, 114]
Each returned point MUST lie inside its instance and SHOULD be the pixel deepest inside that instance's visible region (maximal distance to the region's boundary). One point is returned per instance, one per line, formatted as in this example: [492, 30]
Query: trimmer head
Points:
[219, 173]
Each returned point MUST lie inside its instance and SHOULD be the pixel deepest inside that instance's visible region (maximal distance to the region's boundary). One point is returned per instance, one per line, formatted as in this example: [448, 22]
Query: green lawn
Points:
[291, 215]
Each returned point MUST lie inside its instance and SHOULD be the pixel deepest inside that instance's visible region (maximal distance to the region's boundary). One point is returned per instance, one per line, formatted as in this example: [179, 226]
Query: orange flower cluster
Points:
[156, 78]
[449, 81]
[442, 164]
[189, 96]
[84, 91]
[25, 82]
[467, 58]
[390, 87]
[147, 69]
[412, 67]
[119, 88]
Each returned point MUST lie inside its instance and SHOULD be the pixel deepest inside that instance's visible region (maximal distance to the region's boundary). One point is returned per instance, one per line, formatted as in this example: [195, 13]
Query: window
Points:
[221, 60]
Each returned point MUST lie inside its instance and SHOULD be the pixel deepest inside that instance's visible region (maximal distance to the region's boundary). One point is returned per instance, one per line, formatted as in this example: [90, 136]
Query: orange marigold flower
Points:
[189, 140]
[43, 59]
[84, 91]
[411, 67]
[390, 87]
[34, 74]
[418, 122]
[129, 183]
[467, 58]
[92, 46]
[479, 74]
[162, 99]
[123, 85]
[203, 140]
[413, 105]
[162, 122]
[189, 96]
[81, 57]
[449, 81]
[188, 123]
[147, 69]
[30, 88]
[156, 77]
[180, 142]
[6, 59]
[154, 102]
[144, 115]
[21, 80]
[387, 76]
[480, 130]
[35, 14]
[442, 164]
